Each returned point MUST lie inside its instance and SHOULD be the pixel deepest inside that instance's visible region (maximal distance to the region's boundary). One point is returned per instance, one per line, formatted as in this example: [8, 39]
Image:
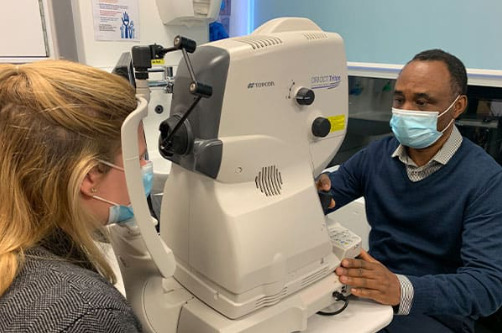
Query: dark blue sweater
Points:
[443, 232]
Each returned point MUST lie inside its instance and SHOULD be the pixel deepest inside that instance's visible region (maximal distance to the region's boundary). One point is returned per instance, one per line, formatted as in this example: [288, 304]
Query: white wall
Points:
[104, 54]
[241, 17]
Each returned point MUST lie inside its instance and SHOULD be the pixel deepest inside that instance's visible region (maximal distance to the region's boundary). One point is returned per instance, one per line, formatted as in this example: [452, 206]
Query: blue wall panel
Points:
[392, 31]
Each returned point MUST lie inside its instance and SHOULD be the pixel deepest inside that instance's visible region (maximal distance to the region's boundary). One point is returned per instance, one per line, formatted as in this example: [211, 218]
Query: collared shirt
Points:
[415, 174]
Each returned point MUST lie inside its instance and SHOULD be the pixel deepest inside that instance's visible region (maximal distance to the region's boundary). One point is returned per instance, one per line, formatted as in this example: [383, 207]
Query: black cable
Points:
[338, 297]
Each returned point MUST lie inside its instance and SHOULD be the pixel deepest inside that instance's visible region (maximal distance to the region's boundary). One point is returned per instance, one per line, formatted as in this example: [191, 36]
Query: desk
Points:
[360, 316]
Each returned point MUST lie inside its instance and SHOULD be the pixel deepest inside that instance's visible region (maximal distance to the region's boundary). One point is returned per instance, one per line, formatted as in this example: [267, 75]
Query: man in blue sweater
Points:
[434, 204]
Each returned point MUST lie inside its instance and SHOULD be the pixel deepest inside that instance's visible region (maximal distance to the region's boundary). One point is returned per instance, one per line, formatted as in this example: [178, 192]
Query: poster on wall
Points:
[116, 20]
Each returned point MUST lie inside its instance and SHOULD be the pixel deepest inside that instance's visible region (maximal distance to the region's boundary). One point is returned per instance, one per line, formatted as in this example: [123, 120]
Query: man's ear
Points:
[89, 186]
[460, 106]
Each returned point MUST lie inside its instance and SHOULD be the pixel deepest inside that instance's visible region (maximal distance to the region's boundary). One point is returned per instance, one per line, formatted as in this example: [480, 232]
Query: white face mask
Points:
[418, 129]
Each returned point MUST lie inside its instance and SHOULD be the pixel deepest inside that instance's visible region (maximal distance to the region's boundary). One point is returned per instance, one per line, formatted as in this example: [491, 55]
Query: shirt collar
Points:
[444, 154]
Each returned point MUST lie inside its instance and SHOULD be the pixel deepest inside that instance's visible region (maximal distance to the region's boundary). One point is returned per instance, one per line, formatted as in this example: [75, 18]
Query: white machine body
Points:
[250, 231]
[241, 225]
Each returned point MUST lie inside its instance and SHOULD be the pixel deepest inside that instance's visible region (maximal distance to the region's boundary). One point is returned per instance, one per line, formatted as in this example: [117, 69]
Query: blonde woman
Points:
[61, 180]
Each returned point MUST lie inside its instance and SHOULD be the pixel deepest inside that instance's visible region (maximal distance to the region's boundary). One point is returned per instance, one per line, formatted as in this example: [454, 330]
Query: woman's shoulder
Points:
[46, 271]
[52, 292]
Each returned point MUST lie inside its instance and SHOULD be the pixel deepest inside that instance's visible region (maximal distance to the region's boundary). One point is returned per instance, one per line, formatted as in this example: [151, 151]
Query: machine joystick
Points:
[176, 137]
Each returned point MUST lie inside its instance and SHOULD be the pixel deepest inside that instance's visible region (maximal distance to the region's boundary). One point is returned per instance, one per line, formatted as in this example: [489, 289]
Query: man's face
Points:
[425, 86]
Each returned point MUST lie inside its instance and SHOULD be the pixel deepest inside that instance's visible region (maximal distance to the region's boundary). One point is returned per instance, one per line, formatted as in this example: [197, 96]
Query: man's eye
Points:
[421, 103]
[397, 101]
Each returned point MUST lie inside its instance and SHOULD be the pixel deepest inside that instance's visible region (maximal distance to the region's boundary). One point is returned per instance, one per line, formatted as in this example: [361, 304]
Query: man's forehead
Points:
[423, 77]
[431, 69]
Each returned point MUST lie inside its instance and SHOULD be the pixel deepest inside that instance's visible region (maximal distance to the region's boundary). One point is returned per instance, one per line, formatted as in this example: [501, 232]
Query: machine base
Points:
[290, 315]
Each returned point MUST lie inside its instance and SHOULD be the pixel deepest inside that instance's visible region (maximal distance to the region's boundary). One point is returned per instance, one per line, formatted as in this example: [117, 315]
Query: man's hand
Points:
[370, 279]
[324, 184]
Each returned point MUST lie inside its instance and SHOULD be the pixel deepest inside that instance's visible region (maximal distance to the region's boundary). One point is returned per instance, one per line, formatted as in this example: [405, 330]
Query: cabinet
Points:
[25, 31]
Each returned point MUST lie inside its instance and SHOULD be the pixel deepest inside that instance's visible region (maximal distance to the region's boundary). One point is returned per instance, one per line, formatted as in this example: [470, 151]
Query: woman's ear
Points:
[89, 186]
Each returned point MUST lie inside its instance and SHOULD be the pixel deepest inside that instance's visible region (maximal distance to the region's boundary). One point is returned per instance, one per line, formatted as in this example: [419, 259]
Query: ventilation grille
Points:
[314, 277]
[271, 300]
[269, 181]
[260, 42]
[315, 35]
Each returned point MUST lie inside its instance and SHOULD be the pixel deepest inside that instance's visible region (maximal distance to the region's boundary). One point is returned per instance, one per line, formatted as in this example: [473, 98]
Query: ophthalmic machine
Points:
[244, 245]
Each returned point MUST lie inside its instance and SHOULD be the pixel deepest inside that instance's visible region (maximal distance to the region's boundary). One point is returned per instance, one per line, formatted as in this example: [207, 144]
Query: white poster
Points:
[116, 20]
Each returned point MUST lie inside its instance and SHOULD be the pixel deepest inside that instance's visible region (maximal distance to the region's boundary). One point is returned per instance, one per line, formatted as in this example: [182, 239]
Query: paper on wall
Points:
[116, 20]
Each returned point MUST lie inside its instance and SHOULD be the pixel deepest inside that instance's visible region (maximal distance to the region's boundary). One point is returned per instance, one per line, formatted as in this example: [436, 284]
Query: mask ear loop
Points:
[453, 119]
[111, 165]
[448, 108]
[449, 124]
[106, 201]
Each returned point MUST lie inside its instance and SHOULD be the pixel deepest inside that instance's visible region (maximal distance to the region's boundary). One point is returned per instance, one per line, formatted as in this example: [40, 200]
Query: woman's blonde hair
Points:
[56, 119]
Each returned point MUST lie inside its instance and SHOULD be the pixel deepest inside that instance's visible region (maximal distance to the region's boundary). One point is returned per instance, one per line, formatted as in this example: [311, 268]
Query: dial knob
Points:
[305, 96]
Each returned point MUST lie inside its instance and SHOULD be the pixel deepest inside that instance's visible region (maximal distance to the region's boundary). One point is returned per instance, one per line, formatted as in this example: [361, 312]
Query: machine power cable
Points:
[338, 297]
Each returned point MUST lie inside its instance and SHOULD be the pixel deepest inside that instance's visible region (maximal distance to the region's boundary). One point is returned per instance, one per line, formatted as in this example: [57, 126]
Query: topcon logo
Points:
[253, 85]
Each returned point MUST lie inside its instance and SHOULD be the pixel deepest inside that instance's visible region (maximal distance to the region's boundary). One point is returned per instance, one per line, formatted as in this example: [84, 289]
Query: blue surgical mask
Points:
[120, 213]
[417, 129]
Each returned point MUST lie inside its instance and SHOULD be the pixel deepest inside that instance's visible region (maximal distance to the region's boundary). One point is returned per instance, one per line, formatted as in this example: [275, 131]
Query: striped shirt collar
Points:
[442, 156]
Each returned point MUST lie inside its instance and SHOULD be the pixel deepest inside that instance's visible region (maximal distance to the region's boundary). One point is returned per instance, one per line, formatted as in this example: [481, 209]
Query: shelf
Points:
[372, 115]
[476, 77]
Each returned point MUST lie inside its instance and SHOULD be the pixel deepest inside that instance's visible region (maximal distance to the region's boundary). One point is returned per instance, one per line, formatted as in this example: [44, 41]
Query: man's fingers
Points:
[332, 204]
[369, 279]
[357, 263]
[366, 256]
[324, 183]
[361, 282]
[367, 293]
[357, 272]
